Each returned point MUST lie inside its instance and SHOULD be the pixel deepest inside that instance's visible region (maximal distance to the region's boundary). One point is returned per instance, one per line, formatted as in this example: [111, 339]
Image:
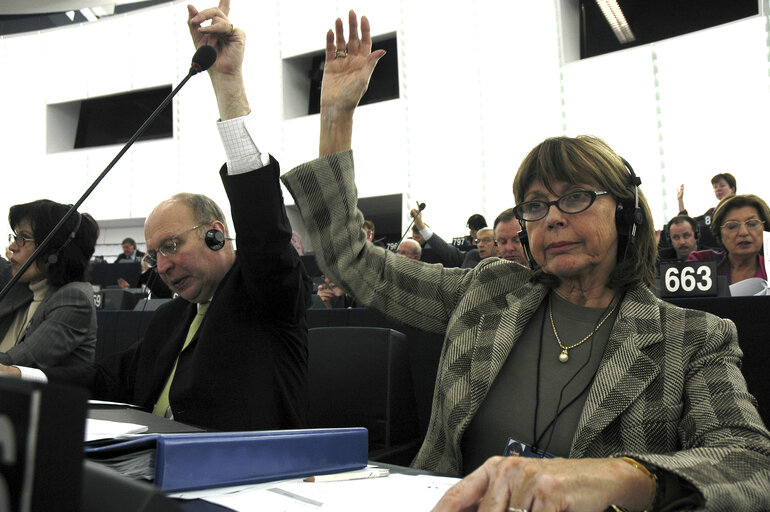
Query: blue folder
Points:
[199, 460]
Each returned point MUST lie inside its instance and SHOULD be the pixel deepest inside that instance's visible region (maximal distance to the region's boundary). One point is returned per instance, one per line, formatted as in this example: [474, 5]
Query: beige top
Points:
[40, 290]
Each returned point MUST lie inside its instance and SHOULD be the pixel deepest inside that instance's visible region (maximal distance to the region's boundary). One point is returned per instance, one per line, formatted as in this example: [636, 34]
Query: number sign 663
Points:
[689, 279]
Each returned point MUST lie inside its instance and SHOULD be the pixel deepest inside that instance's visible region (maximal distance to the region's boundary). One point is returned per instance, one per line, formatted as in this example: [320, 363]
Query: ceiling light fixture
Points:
[89, 14]
[617, 20]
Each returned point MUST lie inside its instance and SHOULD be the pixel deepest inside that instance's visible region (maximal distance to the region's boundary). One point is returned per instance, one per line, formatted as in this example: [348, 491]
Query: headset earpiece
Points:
[54, 258]
[215, 239]
[629, 214]
[524, 239]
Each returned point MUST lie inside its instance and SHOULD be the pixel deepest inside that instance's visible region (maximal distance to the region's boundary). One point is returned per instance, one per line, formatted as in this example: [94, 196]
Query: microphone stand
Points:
[194, 69]
[420, 208]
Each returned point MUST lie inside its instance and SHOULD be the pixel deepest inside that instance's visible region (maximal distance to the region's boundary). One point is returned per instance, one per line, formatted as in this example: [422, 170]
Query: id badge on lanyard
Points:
[516, 448]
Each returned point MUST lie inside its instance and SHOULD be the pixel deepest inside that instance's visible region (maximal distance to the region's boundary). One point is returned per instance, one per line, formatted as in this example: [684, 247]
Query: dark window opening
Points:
[383, 85]
[655, 20]
[114, 119]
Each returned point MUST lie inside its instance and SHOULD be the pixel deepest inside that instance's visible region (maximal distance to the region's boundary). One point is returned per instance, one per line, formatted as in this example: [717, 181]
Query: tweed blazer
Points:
[62, 332]
[668, 390]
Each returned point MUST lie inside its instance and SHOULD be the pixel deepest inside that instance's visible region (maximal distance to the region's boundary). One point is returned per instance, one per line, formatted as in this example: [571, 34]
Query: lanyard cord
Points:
[536, 439]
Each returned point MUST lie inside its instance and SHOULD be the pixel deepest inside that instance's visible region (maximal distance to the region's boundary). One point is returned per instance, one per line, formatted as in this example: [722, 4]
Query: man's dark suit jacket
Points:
[121, 256]
[246, 368]
[442, 252]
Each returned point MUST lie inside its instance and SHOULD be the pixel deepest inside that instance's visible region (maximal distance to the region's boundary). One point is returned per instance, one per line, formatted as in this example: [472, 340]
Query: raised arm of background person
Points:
[345, 81]
[680, 198]
[448, 255]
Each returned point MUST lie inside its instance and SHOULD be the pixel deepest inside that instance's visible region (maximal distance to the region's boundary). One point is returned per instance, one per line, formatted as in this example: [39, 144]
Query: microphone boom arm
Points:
[47, 240]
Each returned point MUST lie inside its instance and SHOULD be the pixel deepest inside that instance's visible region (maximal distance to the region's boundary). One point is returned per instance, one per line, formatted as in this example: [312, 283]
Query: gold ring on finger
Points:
[340, 53]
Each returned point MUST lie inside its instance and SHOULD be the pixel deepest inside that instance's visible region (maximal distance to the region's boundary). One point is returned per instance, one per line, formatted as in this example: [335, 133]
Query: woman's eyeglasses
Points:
[732, 226]
[574, 202]
[19, 240]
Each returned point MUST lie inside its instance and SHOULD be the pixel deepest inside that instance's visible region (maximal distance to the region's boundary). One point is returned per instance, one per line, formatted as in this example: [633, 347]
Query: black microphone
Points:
[204, 57]
[420, 208]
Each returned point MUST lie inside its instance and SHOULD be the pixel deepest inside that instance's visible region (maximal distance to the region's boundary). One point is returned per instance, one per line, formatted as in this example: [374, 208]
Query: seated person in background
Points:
[410, 248]
[48, 318]
[448, 255]
[369, 228]
[333, 296]
[577, 358]
[738, 223]
[682, 232]
[485, 247]
[296, 241]
[230, 353]
[149, 279]
[474, 224]
[130, 252]
[507, 229]
[724, 185]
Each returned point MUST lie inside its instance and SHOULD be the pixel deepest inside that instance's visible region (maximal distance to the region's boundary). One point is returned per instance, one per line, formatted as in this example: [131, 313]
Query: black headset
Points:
[628, 215]
[215, 239]
[54, 258]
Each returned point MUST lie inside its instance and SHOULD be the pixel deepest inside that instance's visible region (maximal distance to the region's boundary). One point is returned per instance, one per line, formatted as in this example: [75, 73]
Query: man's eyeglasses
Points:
[167, 247]
[732, 226]
[574, 202]
[485, 240]
[19, 240]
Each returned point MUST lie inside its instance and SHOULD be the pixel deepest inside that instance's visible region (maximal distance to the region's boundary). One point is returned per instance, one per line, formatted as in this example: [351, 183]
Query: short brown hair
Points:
[737, 201]
[729, 178]
[582, 158]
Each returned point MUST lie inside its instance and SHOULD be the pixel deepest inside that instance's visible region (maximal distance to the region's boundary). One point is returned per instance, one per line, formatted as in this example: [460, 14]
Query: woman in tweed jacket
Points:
[664, 420]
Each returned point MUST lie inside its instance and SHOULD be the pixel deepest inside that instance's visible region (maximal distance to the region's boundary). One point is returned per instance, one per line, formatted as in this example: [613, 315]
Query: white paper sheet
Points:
[104, 429]
[402, 493]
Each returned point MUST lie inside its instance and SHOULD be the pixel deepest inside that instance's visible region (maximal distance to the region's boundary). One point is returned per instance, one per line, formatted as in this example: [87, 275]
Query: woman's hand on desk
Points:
[549, 485]
[10, 371]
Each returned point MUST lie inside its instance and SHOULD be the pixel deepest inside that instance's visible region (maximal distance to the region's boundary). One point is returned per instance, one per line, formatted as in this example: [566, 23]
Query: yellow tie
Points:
[161, 406]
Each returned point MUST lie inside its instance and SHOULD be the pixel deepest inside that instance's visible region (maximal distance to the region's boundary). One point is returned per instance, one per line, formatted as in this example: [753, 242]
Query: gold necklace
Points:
[564, 356]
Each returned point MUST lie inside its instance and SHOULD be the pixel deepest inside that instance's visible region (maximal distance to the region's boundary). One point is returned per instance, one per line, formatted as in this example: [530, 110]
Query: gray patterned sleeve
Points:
[725, 447]
[412, 292]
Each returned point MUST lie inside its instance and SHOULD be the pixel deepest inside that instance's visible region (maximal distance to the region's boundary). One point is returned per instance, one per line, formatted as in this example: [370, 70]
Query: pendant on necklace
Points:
[564, 357]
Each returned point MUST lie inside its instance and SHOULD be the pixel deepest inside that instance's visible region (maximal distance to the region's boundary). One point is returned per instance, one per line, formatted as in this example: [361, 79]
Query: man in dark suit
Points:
[245, 366]
[130, 252]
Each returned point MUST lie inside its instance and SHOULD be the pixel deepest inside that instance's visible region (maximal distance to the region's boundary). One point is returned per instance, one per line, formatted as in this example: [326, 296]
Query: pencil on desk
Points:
[350, 475]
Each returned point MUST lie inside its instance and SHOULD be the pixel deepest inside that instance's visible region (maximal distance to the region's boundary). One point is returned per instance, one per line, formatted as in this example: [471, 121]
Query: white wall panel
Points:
[519, 90]
[66, 58]
[150, 46]
[715, 110]
[613, 97]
